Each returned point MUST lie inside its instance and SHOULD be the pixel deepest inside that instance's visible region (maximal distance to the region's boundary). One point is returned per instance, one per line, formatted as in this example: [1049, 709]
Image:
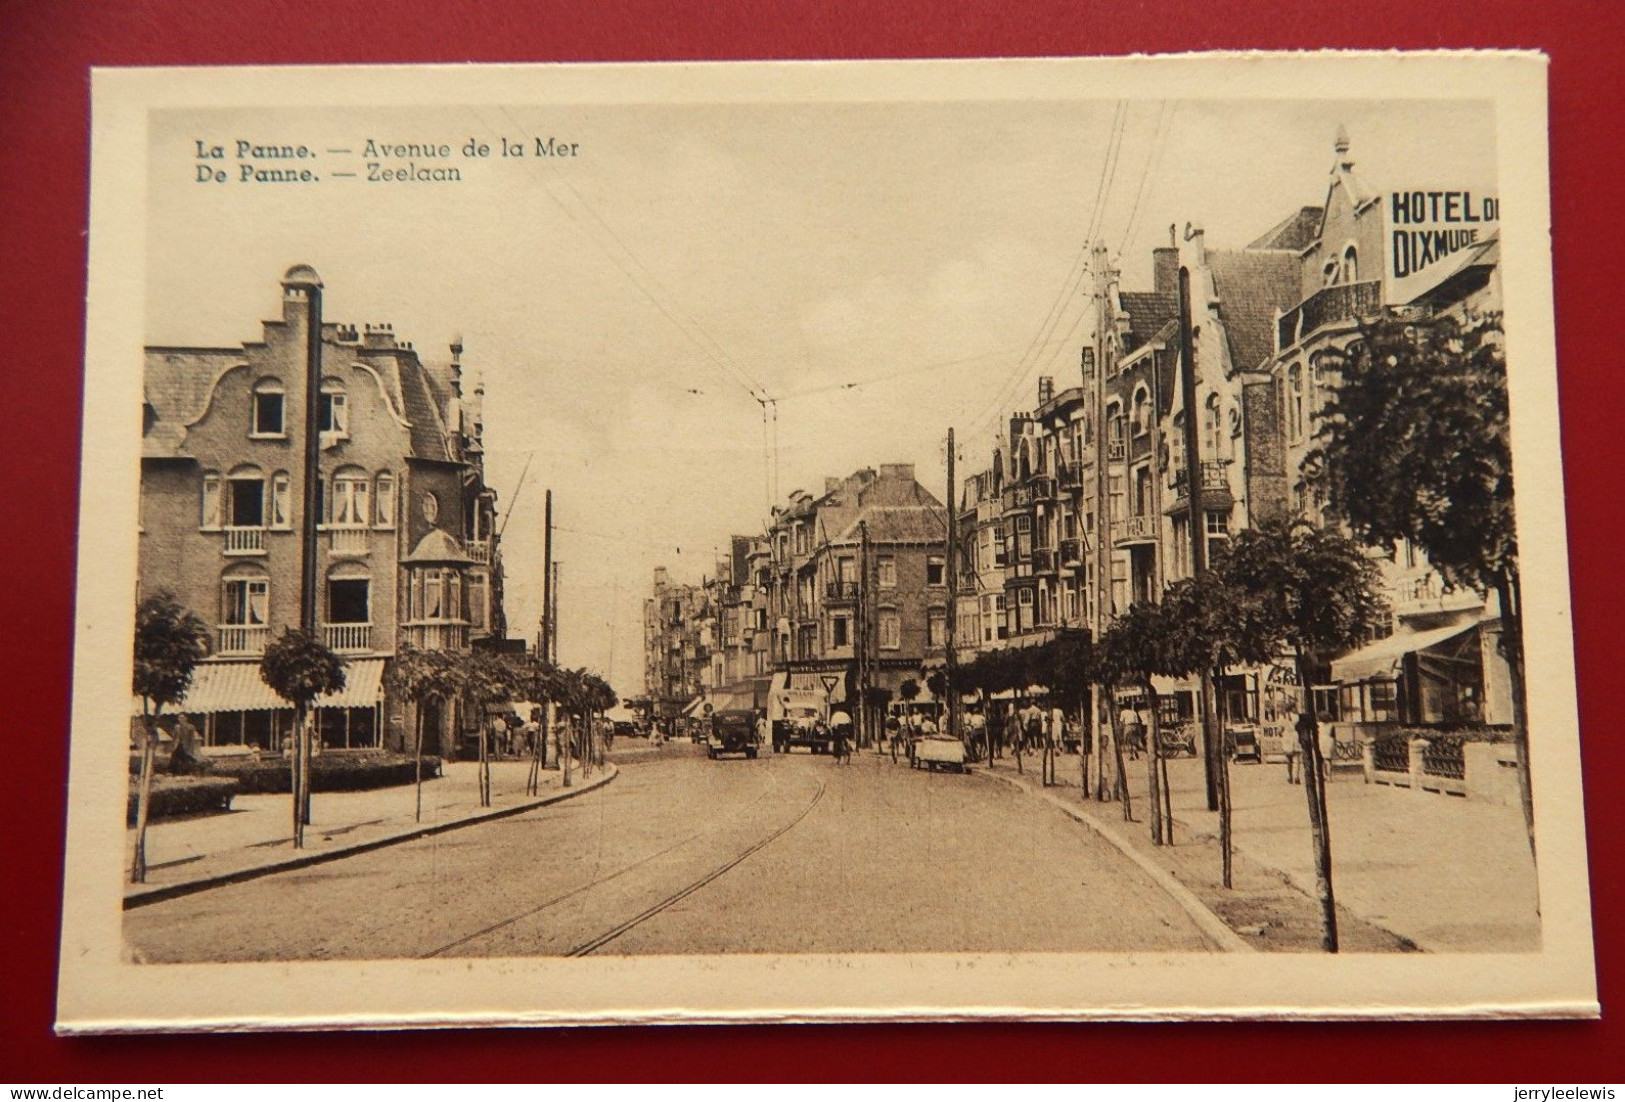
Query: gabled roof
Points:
[1147, 312]
[1253, 284]
[899, 524]
[1295, 231]
[422, 407]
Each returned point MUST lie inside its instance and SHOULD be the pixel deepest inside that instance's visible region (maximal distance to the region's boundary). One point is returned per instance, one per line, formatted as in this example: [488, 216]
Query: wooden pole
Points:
[950, 625]
[1197, 515]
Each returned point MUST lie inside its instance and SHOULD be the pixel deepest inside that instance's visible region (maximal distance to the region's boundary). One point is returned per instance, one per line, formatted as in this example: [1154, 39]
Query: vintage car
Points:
[732, 732]
[938, 751]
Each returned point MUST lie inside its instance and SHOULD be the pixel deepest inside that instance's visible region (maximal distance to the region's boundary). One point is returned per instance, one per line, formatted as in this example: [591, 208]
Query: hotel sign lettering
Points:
[1426, 233]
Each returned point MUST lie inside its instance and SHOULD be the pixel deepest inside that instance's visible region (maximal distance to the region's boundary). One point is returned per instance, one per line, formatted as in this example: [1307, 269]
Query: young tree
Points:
[540, 684]
[299, 668]
[936, 682]
[1068, 663]
[1215, 627]
[419, 675]
[1136, 649]
[908, 692]
[169, 643]
[486, 678]
[1414, 445]
[1318, 592]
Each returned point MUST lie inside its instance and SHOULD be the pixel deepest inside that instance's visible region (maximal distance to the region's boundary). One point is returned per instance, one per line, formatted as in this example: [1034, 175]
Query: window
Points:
[246, 501]
[1328, 275]
[281, 493]
[209, 511]
[1213, 423]
[838, 632]
[1024, 597]
[1384, 698]
[476, 601]
[1142, 411]
[347, 601]
[934, 571]
[246, 602]
[845, 569]
[351, 507]
[1294, 399]
[936, 627]
[267, 415]
[332, 410]
[1351, 265]
[891, 629]
[888, 572]
[384, 500]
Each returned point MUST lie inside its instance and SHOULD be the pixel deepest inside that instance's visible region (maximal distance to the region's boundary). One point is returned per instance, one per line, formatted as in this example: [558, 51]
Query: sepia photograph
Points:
[823, 541]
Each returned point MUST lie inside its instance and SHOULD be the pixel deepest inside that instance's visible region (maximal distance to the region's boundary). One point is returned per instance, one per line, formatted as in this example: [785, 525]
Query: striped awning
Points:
[237, 687]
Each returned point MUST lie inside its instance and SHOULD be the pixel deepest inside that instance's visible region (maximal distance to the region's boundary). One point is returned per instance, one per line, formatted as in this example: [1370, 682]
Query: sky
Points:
[882, 271]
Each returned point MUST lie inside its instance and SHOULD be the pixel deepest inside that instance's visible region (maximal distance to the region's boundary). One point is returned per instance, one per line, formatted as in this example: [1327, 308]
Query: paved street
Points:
[784, 854]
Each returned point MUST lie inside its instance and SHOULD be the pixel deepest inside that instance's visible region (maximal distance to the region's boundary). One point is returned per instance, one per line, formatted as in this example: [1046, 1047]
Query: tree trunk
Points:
[143, 797]
[417, 755]
[1153, 754]
[1115, 721]
[485, 763]
[296, 775]
[1314, 787]
[304, 766]
[1226, 838]
[1508, 589]
[1085, 748]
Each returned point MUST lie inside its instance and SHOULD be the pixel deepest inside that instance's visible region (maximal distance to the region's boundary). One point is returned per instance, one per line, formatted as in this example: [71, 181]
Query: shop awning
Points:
[1381, 660]
[237, 687]
[692, 708]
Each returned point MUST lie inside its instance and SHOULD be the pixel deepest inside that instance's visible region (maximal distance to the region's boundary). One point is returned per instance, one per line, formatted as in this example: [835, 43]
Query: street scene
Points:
[1098, 541]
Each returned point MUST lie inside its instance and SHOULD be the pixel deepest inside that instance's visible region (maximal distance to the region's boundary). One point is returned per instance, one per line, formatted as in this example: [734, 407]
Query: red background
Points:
[45, 52]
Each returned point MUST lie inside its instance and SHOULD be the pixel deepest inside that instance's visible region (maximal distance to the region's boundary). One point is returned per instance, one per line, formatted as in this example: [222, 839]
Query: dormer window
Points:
[268, 409]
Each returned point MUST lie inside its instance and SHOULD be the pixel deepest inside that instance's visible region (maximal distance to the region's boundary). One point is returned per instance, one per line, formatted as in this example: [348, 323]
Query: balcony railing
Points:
[244, 541]
[347, 541]
[347, 637]
[1043, 560]
[1137, 530]
[451, 636]
[1327, 306]
[1069, 476]
[1043, 487]
[1116, 451]
[1071, 552]
[479, 551]
[243, 638]
[1214, 476]
[841, 592]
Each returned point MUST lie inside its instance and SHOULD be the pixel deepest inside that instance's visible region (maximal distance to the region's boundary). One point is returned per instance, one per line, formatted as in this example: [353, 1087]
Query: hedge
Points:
[173, 795]
[329, 772]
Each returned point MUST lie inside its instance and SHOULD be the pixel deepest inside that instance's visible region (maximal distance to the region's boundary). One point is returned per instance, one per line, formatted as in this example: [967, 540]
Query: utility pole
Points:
[951, 622]
[1197, 521]
[864, 610]
[1103, 512]
[309, 561]
[550, 627]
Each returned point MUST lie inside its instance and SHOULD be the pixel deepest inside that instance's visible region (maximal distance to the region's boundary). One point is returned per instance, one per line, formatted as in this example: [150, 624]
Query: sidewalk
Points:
[255, 838]
[1442, 873]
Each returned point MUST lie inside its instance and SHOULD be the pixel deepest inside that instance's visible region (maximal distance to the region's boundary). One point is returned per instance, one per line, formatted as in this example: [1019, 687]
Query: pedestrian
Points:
[187, 757]
[1133, 731]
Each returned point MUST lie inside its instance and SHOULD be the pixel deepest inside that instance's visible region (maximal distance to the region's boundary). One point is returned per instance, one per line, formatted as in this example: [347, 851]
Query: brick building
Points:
[407, 548]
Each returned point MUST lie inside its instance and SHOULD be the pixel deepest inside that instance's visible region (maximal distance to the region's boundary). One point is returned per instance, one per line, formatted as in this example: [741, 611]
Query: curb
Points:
[174, 891]
[1210, 924]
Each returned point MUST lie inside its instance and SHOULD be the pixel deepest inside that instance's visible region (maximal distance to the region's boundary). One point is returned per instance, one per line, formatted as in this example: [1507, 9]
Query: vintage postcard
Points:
[823, 541]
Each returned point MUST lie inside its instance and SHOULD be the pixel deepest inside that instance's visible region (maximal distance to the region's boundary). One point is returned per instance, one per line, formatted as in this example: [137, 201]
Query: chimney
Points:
[1046, 388]
[831, 484]
[454, 407]
[1165, 270]
[300, 284]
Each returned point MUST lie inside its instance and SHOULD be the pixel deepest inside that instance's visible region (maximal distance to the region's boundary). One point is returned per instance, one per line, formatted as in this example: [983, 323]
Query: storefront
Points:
[233, 707]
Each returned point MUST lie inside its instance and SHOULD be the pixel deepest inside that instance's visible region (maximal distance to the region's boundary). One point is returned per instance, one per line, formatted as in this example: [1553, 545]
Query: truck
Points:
[798, 723]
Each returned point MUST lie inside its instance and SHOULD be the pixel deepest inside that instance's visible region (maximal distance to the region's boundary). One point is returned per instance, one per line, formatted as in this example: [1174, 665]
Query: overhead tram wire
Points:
[1080, 268]
[1153, 165]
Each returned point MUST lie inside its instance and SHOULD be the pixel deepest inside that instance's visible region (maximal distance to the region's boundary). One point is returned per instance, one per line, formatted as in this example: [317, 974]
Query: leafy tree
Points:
[299, 668]
[1135, 649]
[909, 692]
[419, 675]
[1317, 595]
[1213, 628]
[1414, 445]
[936, 681]
[486, 678]
[169, 643]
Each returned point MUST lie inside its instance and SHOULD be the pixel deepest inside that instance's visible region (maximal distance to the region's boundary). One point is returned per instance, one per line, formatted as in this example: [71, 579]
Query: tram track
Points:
[598, 882]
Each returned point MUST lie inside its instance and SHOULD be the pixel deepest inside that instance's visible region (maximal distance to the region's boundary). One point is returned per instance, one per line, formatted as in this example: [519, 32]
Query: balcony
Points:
[1072, 553]
[840, 593]
[1427, 596]
[347, 638]
[348, 541]
[1043, 560]
[1116, 451]
[1136, 530]
[1017, 497]
[479, 551]
[1328, 306]
[1069, 476]
[1042, 487]
[244, 541]
[1214, 476]
[243, 638]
